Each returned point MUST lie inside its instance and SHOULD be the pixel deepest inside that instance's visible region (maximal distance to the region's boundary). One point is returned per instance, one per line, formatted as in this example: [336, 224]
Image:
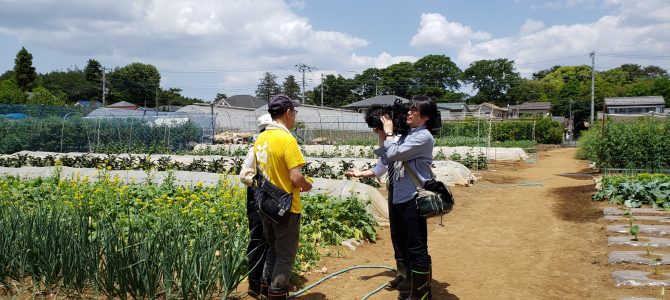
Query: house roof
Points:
[489, 105]
[452, 106]
[376, 100]
[123, 104]
[531, 106]
[642, 100]
[88, 103]
[247, 101]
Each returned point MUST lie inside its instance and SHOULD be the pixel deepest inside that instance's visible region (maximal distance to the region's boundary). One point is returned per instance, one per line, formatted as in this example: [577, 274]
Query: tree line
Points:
[136, 83]
[495, 81]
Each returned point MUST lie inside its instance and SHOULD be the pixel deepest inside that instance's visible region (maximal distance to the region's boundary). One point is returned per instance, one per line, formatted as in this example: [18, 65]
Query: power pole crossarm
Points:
[302, 68]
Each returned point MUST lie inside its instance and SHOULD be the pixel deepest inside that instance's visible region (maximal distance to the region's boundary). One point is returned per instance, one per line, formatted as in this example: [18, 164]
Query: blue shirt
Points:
[416, 148]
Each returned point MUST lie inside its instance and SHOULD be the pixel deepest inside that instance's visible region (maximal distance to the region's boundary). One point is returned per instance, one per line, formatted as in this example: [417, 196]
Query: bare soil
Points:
[504, 241]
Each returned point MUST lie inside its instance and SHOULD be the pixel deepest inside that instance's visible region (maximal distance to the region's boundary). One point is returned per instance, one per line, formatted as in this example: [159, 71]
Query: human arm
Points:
[299, 180]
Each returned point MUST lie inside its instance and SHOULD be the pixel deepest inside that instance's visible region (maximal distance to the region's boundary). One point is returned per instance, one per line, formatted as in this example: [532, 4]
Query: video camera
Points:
[397, 112]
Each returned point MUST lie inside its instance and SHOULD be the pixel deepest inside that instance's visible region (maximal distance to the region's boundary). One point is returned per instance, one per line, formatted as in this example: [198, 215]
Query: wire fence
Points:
[113, 130]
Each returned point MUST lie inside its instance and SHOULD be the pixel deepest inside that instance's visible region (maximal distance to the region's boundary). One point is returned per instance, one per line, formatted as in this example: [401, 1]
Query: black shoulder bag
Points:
[271, 200]
[434, 197]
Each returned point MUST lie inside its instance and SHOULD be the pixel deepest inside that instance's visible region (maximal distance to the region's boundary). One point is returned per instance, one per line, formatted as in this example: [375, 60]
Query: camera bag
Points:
[434, 198]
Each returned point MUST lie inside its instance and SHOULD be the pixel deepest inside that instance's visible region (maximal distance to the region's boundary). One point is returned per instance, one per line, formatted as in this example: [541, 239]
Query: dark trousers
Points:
[396, 223]
[256, 247]
[282, 246]
[409, 232]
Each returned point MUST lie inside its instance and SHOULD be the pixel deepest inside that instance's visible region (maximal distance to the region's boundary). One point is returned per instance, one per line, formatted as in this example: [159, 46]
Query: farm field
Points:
[505, 241]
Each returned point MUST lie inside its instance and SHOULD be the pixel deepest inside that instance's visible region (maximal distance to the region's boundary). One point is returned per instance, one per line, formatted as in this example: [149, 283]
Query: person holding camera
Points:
[409, 230]
[279, 159]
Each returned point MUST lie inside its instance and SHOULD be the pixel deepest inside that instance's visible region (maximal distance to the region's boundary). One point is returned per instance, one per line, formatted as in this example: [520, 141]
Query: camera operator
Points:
[408, 229]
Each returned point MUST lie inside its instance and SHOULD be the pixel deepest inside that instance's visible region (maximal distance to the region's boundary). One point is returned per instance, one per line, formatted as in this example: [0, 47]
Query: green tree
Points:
[71, 82]
[290, 87]
[93, 75]
[173, 96]
[24, 72]
[492, 79]
[542, 73]
[10, 93]
[43, 96]
[336, 91]
[136, 83]
[398, 79]
[435, 75]
[268, 87]
[367, 84]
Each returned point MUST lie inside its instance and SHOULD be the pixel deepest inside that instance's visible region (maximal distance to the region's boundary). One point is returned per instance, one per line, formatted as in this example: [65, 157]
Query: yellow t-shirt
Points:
[276, 152]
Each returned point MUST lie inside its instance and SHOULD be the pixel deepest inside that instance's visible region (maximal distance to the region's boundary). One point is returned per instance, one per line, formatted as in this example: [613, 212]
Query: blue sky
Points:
[223, 46]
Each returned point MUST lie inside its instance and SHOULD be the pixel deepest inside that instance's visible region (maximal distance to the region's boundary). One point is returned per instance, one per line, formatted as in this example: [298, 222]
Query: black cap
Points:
[281, 103]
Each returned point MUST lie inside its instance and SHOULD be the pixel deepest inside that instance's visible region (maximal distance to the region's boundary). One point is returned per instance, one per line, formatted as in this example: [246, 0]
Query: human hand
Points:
[353, 173]
[387, 122]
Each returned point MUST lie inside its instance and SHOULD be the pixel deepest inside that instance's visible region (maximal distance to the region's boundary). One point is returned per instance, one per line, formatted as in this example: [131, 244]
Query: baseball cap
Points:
[263, 121]
[281, 103]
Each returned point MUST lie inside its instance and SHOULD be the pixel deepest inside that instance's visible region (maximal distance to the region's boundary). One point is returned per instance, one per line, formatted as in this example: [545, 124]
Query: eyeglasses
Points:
[296, 112]
[413, 109]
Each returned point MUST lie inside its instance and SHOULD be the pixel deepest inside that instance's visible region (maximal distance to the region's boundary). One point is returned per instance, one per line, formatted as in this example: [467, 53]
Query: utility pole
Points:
[321, 89]
[593, 78]
[302, 68]
[104, 89]
[157, 89]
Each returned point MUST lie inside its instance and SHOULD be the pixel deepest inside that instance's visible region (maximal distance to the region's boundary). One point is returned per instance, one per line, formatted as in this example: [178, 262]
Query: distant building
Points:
[169, 108]
[540, 108]
[453, 111]
[634, 105]
[495, 111]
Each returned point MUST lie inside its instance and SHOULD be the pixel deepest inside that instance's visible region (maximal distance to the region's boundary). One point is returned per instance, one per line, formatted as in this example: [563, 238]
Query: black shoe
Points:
[401, 274]
[278, 294]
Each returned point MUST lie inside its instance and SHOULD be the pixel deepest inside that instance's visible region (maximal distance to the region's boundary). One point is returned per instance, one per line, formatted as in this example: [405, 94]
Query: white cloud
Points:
[562, 4]
[383, 60]
[183, 35]
[634, 29]
[531, 26]
[436, 31]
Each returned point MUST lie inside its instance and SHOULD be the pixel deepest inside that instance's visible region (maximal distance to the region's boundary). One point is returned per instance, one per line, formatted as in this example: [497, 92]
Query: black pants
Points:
[282, 246]
[256, 248]
[409, 232]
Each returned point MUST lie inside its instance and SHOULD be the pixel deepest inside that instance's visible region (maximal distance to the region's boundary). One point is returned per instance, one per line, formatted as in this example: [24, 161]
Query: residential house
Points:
[634, 105]
[540, 108]
[490, 109]
[453, 111]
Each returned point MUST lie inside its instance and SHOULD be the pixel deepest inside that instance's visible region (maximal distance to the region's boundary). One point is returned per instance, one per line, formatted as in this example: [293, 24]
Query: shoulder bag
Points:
[271, 200]
[434, 198]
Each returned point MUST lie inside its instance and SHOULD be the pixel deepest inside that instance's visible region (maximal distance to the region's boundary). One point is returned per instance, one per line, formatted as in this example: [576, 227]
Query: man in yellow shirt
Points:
[279, 159]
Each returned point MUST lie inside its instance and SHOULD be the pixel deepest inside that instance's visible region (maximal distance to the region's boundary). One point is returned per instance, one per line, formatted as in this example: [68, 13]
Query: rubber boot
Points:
[254, 289]
[401, 274]
[265, 287]
[278, 294]
[421, 277]
[405, 286]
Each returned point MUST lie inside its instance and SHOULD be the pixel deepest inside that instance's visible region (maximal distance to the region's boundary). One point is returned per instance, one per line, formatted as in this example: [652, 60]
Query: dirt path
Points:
[542, 240]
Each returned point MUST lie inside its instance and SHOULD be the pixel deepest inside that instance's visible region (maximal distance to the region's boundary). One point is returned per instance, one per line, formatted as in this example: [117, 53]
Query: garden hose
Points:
[307, 288]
